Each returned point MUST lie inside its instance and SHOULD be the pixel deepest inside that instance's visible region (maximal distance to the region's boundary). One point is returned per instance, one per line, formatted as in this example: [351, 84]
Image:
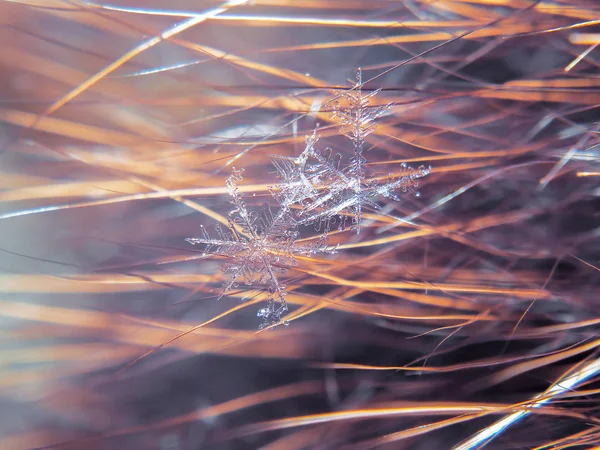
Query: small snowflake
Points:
[325, 191]
[260, 247]
[321, 188]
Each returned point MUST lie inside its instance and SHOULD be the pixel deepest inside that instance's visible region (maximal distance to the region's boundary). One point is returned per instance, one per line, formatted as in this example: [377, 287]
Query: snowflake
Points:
[321, 188]
[259, 247]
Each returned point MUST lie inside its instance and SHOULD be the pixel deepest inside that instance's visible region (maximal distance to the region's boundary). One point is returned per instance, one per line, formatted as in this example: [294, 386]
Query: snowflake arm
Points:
[295, 186]
[357, 121]
[407, 181]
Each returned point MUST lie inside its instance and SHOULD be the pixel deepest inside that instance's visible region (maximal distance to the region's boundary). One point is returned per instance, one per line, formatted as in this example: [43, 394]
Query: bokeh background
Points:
[119, 124]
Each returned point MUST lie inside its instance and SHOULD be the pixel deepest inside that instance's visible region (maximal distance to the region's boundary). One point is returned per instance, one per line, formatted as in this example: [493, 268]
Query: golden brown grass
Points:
[117, 131]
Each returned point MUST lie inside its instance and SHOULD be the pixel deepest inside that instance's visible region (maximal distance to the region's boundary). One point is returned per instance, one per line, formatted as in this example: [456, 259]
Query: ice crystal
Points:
[314, 188]
[259, 247]
[321, 188]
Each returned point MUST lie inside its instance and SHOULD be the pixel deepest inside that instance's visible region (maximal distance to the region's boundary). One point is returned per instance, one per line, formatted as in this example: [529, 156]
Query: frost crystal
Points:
[315, 188]
[260, 247]
[317, 183]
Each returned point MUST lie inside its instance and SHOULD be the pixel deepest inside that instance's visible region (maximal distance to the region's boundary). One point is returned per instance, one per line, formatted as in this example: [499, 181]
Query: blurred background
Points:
[119, 124]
